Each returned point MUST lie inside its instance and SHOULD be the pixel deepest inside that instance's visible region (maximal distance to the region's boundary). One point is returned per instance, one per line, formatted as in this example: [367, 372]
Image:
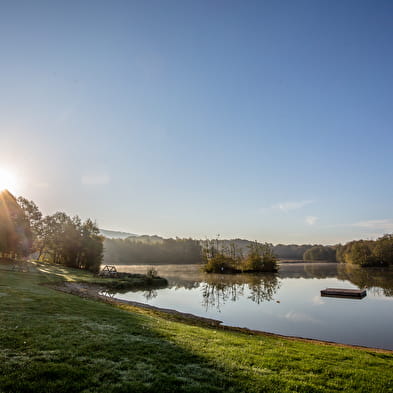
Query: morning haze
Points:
[268, 121]
[196, 196]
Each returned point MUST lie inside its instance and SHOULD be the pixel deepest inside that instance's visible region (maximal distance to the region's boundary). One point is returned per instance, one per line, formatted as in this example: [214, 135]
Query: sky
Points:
[264, 120]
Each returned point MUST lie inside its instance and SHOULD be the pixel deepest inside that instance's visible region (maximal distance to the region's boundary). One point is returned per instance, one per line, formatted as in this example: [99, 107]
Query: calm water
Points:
[287, 303]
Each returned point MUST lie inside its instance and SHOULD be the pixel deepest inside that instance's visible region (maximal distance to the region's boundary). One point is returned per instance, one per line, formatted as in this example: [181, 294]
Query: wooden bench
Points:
[108, 271]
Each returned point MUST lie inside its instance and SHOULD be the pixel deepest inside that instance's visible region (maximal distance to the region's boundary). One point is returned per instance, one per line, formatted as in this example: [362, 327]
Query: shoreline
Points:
[91, 292]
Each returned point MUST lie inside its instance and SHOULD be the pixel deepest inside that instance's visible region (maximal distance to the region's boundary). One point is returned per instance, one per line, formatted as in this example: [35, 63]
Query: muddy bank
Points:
[98, 293]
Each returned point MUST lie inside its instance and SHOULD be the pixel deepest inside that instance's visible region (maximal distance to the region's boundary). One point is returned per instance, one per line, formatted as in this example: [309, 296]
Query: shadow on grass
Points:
[52, 342]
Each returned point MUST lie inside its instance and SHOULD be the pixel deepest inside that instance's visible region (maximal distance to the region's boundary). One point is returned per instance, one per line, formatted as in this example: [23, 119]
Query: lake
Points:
[287, 303]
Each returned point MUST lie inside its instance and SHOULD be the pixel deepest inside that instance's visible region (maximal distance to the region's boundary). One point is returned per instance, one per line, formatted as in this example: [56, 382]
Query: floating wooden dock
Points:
[341, 292]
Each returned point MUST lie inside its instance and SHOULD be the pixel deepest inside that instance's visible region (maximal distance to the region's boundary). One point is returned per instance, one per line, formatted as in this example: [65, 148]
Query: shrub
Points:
[259, 259]
[259, 263]
[151, 272]
[220, 263]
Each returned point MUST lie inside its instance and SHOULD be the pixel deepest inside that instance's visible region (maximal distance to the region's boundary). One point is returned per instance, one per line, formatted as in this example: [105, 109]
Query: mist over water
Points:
[286, 303]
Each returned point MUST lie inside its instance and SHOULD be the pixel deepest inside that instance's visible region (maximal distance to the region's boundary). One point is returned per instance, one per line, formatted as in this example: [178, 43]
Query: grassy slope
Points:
[55, 342]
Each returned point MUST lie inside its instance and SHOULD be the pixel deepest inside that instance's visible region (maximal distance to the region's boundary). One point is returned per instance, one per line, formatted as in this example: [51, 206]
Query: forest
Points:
[142, 250]
[146, 250]
[367, 253]
[320, 253]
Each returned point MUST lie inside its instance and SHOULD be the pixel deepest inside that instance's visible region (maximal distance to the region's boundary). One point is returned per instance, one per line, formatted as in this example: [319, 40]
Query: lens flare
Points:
[7, 180]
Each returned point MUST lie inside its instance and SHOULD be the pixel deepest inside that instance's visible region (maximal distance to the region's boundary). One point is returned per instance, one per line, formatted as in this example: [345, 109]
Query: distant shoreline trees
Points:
[320, 253]
[367, 253]
[61, 239]
[146, 250]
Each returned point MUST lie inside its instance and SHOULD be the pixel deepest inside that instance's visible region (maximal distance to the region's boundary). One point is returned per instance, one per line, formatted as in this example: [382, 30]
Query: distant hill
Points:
[282, 251]
[116, 234]
[148, 239]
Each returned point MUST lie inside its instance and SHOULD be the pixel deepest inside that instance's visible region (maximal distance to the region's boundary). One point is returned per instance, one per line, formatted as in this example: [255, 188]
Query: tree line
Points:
[281, 251]
[69, 241]
[56, 238]
[367, 253]
[147, 250]
[144, 250]
[320, 253]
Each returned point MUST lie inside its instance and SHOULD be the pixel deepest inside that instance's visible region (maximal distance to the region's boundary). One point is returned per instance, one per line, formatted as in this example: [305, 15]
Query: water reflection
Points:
[377, 280]
[308, 270]
[150, 294]
[288, 302]
[219, 289]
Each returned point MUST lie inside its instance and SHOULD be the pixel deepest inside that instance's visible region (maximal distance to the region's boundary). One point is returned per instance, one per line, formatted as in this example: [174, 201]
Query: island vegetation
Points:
[221, 259]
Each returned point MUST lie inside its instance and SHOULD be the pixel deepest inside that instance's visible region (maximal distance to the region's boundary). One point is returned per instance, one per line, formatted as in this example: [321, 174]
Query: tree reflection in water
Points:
[378, 280]
[150, 294]
[218, 289]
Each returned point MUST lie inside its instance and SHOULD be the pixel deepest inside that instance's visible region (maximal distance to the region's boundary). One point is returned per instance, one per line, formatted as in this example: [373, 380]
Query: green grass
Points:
[55, 342]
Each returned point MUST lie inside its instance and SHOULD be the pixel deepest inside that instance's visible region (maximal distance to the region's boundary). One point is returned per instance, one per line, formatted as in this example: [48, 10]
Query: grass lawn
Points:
[55, 342]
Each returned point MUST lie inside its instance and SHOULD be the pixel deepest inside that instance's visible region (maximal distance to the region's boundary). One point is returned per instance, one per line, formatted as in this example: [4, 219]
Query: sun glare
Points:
[7, 180]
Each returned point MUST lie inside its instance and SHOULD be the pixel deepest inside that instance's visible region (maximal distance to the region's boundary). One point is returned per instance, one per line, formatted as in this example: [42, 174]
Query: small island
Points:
[231, 260]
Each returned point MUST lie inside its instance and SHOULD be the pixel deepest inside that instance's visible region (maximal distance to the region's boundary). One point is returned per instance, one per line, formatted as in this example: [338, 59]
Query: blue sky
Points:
[262, 120]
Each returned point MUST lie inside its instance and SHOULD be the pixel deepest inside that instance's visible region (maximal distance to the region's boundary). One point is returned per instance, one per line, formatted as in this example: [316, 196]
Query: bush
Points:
[220, 263]
[259, 263]
[254, 262]
[259, 259]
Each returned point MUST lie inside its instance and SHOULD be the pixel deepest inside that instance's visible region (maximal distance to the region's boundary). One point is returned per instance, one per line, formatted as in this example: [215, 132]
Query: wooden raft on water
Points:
[341, 292]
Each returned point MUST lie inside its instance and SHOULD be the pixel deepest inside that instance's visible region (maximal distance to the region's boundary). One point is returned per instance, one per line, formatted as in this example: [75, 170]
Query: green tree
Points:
[15, 232]
[383, 250]
[320, 253]
[73, 243]
[34, 216]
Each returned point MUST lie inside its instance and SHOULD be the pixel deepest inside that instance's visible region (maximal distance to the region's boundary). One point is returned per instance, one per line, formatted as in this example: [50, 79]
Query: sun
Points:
[7, 180]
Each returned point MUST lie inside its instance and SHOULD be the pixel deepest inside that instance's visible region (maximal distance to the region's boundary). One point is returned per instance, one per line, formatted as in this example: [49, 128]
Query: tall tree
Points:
[15, 232]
